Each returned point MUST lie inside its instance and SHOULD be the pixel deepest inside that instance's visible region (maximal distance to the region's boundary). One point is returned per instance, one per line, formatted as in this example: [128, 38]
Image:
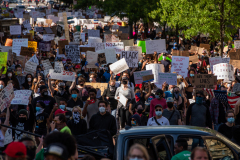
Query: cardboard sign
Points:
[119, 66]
[118, 46]
[234, 55]
[73, 53]
[30, 68]
[155, 68]
[85, 49]
[237, 44]
[110, 55]
[224, 71]
[131, 58]
[92, 59]
[6, 96]
[155, 45]
[176, 53]
[25, 51]
[17, 44]
[58, 67]
[124, 36]
[44, 46]
[15, 30]
[194, 59]
[101, 86]
[184, 53]
[169, 78]
[61, 46]
[204, 81]
[110, 38]
[129, 42]
[180, 65]
[64, 75]
[102, 58]
[66, 28]
[194, 49]
[8, 42]
[21, 97]
[205, 46]
[235, 63]
[138, 76]
[93, 33]
[3, 61]
[200, 50]
[148, 78]
[33, 45]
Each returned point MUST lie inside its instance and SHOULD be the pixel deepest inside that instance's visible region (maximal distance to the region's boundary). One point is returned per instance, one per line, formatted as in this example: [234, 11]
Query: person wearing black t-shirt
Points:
[165, 63]
[139, 97]
[226, 128]
[63, 106]
[42, 120]
[75, 100]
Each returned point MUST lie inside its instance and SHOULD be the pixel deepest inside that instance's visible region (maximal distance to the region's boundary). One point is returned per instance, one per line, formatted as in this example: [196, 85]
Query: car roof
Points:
[170, 129]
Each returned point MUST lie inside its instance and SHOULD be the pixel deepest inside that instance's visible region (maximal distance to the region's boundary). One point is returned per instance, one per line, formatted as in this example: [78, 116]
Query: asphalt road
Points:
[26, 4]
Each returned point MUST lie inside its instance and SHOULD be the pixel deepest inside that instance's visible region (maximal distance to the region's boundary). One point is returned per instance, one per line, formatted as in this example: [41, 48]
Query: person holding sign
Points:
[166, 63]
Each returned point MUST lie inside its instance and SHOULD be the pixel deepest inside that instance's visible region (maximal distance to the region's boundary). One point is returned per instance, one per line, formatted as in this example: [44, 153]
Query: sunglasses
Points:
[158, 110]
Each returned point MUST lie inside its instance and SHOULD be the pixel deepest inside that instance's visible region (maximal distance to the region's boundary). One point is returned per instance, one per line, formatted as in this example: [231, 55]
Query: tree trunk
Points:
[177, 29]
[222, 27]
[130, 29]
[145, 30]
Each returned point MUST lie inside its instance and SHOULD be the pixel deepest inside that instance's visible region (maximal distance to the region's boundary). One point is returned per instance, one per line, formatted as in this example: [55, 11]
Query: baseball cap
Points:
[16, 150]
[159, 91]
[170, 99]
[77, 66]
[59, 111]
[58, 150]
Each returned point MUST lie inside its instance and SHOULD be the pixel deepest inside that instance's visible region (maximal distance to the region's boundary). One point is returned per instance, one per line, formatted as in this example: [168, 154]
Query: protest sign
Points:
[122, 99]
[64, 75]
[25, 51]
[236, 87]
[58, 67]
[8, 42]
[148, 78]
[102, 59]
[48, 30]
[94, 40]
[44, 46]
[224, 71]
[3, 61]
[83, 37]
[47, 65]
[155, 45]
[200, 50]
[213, 61]
[234, 55]
[110, 55]
[110, 38]
[237, 44]
[34, 59]
[194, 49]
[119, 66]
[73, 53]
[155, 68]
[93, 33]
[101, 86]
[92, 59]
[66, 28]
[201, 81]
[176, 53]
[61, 46]
[169, 78]
[226, 60]
[17, 44]
[131, 58]
[180, 65]
[48, 37]
[33, 45]
[76, 36]
[21, 97]
[205, 46]
[124, 36]
[118, 46]
[138, 76]
[142, 44]
[107, 18]
[15, 30]
[30, 68]
[39, 29]
[194, 59]
[129, 42]
[6, 96]
[235, 63]
[85, 49]
[135, 48]
[98, 46]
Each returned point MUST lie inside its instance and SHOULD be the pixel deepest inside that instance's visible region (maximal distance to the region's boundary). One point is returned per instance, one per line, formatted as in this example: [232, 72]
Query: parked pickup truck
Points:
[159, 141]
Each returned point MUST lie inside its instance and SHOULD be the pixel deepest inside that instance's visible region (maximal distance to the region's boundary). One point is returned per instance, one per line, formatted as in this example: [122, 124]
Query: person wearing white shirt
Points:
[158, 120]
[125, 75]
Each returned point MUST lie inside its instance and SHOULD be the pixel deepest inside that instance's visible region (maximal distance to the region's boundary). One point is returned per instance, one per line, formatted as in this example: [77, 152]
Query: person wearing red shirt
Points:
[157, 100]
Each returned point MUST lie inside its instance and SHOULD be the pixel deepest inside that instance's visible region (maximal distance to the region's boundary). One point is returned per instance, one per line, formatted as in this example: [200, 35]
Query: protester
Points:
[181, 150]
[199, 153]
[16, 151]
[137, 151]
[226, 129]
[30, 145]
[158, 100]
[159, 119]
[59, 123]
[74, 100]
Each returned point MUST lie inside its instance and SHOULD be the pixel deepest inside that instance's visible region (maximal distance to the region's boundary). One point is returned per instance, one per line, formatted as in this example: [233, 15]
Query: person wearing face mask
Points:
[159, 119]
[74, 100]
[77, 124]
[42, 119]
[189, 86]
[165, 63]
[45, 98]
[63, 106]
[4, 129]
[92, 79]
[19, 75]
[109, 96]
[103, 119]
[171, 113]
[134, 121]
[125, 76]
[28, 82]
[199, 113]
[158, 100]
[139, 111]
[11, 76]
[106, 75]
[226, 128]
[83, 93]
[30, 145]
[2, 85]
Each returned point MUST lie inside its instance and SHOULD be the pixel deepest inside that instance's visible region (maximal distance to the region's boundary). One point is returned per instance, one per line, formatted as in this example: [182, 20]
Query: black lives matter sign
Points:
[73, 53]
[131, 58]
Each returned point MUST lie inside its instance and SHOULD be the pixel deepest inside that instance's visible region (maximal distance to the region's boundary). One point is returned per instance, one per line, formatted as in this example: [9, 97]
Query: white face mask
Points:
[164, 57]
[9, 74]
[29, 79]
[238, 74]
[102, 109]
[90, 79]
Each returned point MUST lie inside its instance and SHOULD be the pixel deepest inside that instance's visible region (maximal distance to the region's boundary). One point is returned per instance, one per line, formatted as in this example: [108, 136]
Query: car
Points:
[159, 141]
[20, 7]
[29, 9]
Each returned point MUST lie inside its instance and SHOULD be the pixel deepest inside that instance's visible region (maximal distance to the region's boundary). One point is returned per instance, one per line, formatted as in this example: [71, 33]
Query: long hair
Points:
[141, 148]
[79, 109]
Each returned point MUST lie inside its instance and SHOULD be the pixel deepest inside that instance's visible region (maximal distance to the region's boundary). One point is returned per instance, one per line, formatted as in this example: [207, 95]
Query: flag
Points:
[209, 91]
[233, 100]
[222, 97]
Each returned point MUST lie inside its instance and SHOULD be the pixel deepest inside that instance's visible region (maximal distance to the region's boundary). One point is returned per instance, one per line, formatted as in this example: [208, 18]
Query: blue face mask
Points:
[199, 100]
[74, 95]
[133, 123]
[79, 74]
[138, 94]
[157, 96]
[38, 109]
[191, 75]
[158, 113]
[62, 106]
[231, 120]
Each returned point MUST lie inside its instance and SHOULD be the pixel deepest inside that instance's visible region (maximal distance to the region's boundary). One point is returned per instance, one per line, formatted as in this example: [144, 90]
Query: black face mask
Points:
[140, 111]
[170, 105]
[22, 119]
[124, 82]
[81, 85]
[31, 153]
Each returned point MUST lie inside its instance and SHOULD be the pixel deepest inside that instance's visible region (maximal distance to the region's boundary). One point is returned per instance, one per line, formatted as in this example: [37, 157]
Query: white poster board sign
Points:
[213, 61]
[34, 59]
[118, 46]
[30, 68]
[92, 59]
[110, 55]
[180, 65]
[135, 48]
[237, 44]
[93, 33]
[21, 97]
[155, 45]
[224, 71]
[15, 30]
[119, 66]
[155, 68]
[131, 58]
[17, 44]
[65, 75]
[48, 37]
[169, 78]
[138, 76]
[6, 96]
[98, 46]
